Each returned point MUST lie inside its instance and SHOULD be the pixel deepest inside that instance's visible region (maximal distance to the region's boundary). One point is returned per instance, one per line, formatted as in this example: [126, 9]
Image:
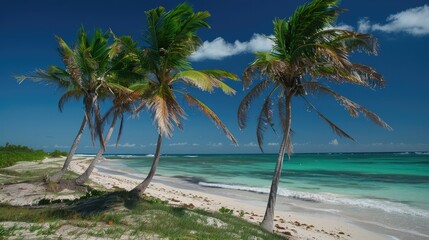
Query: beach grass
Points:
[30, 175]
[115, 215]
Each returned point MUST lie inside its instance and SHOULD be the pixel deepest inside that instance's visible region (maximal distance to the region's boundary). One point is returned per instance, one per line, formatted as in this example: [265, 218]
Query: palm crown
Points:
[89, 73]
[307, 49]
[170, 39]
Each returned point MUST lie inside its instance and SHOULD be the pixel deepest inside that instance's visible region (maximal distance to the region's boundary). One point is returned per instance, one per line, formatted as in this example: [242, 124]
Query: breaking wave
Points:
[386, 206]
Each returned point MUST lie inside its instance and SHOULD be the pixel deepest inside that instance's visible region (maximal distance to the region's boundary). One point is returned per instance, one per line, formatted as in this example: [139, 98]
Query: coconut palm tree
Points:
[308, 54]
[125, 71]
[170, 39]
[88, 66]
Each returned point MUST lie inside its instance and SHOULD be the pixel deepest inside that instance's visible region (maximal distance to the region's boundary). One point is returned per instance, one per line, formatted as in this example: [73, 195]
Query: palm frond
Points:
[54, 75]
[209, 113]
[206, 80]
[308, 19]
[197, 79]
[70, 94]
[334, 127]
[171, 36]
[70, 61]
[264, 120]
[281, 104]
[165, 110]
[352, 107]
[248, 99]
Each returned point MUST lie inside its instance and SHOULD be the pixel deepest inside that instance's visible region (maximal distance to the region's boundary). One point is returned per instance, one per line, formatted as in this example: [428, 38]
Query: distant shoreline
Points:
[423, 152]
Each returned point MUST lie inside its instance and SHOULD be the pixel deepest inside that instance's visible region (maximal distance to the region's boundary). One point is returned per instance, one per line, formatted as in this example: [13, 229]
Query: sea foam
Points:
[386, 206]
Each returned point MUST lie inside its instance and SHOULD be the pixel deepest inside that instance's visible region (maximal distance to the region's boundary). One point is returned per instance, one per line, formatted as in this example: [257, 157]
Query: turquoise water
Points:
[391, 185]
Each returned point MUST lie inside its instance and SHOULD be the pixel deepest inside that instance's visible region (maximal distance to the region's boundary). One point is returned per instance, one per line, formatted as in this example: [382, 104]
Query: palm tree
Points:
[88, 66]
[307, 55]
[124, 71]
[170, 39]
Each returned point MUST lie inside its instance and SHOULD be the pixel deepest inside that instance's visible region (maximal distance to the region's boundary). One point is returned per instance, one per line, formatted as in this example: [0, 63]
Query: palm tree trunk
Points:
[85, 176]
[267, 223]
[57, 176]
[139, 189]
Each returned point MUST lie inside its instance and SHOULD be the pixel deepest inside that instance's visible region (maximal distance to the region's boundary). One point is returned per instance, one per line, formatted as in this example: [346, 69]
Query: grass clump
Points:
[225, 210]
[6, 232]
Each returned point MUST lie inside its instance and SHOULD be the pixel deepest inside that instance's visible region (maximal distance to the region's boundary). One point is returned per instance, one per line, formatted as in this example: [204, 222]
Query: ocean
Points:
[388, 192]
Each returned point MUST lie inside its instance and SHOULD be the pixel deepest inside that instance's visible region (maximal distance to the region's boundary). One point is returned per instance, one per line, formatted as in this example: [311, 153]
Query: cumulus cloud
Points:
[251, 144]
[414, 21]
[364, 25]
[342, 26]
[178, 144]
[273, 144]
[219, 48]
[334, 142]
[60, 146]
[219, 144]
[125, 145]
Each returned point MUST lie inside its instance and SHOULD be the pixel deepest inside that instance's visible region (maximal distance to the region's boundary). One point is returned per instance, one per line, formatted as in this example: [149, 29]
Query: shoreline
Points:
[291, 219]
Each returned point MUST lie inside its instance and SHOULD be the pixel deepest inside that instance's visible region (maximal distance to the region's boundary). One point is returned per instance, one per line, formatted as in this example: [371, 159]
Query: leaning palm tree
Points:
[170, 39]
[308, 54]
[88, 64]
[125, 70]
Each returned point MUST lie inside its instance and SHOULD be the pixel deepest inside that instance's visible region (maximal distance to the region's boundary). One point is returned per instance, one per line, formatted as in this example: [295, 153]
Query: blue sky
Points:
[29, 113]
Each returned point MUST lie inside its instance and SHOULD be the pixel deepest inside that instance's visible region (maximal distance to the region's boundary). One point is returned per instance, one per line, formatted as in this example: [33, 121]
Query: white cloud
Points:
[273, 144]
[125, 145]
[334, 142]
[178, 144]
[341, 26]
[377, 144]
[344, 27]
[142, 146]
[195, 144]
[219, 144]
[219, 49]
[251, 144]
[414, 21]
[60, 146]
[364, 25]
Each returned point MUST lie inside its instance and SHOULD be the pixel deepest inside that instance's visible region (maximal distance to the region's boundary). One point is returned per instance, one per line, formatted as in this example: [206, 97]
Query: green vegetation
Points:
[57, 153]
[225, 210]
[115, 215]
[10, 154]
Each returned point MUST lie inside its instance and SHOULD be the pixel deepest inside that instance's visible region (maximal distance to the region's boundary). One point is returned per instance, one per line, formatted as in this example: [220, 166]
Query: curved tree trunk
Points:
[57, 176]
[267, 223]
[139, 189]
[85, 176]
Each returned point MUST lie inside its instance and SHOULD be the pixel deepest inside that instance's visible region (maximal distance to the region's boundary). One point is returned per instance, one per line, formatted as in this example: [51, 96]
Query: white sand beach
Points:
[290, 220]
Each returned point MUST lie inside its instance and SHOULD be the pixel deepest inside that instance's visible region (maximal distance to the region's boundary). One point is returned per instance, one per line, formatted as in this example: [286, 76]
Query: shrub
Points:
[10, 154]
[57, 153]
